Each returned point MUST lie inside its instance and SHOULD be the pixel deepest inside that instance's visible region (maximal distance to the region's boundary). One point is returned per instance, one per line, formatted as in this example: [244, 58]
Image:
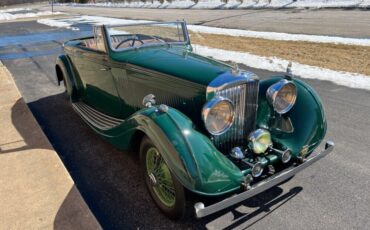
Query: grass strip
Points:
[348, 58]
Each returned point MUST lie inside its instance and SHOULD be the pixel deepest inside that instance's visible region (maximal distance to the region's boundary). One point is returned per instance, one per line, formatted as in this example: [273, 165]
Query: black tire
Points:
[61, 77]
[176, 211]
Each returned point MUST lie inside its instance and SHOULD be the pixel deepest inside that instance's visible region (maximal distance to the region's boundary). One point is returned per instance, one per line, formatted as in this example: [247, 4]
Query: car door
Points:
[96, 76]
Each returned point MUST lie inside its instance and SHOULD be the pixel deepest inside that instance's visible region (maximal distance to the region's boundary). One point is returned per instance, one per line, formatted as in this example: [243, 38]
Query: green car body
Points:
[115, 83]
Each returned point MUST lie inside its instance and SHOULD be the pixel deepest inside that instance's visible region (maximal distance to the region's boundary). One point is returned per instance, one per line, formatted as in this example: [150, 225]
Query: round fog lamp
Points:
[260, 141]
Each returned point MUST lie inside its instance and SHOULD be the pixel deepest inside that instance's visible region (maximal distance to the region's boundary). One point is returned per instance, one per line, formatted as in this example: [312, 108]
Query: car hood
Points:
[176, 61]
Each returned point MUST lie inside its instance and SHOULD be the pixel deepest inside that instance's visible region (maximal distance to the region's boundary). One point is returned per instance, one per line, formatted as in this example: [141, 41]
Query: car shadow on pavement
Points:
[110, 180]
[264, 208]
[21, 120]
[72, 216]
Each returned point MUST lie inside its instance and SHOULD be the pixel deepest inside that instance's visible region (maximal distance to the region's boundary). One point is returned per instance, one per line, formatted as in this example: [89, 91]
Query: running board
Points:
[96, 118]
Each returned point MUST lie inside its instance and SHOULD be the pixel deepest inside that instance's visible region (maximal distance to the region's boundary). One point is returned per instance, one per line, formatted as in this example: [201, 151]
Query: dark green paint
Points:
[190, 155]
[179, 78]
[307, 117]
[176, 61]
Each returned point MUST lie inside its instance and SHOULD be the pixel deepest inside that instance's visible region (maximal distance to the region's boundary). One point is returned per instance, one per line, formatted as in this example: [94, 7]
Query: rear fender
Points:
[64, 70]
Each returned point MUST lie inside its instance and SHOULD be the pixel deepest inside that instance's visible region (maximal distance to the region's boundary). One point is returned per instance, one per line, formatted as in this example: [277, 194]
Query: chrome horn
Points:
[285, 155]
[257, 169]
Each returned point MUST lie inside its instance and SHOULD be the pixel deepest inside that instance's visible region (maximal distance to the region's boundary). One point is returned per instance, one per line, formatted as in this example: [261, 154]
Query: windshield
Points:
[138, 35]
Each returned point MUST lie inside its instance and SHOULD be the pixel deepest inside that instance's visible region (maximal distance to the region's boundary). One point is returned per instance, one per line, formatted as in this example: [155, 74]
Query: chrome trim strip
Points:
[235, 135]
[242, 89]
[88, 110]
[228, 80]
[91, 119]
[202, 211]
[99, 116]
[94, 117]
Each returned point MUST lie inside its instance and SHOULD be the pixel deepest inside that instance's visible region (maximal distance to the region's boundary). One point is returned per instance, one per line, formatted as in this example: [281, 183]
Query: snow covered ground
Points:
[15, 13]
[280, 36]
[93, 20]
[237, 4]
[353, 80]
[269, 63]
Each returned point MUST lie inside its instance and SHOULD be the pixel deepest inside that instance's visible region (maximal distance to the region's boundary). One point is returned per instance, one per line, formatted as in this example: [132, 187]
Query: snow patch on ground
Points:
[55, 23]
[14, 10]
[280, 36]
[95, 20]
[353, 80]
[12, 14]
[235, 4]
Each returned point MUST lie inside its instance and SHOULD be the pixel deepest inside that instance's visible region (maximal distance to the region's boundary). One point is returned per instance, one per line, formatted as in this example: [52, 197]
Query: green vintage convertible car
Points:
[200, 126]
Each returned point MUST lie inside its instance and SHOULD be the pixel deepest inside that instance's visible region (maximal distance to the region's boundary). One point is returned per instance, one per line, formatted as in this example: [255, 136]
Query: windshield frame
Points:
[182, 23]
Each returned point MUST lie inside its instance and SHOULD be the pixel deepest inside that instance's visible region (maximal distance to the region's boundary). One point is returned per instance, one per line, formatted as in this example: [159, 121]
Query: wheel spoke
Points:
[169, 188]
[164, 188]
[170, 194]
[157, 169]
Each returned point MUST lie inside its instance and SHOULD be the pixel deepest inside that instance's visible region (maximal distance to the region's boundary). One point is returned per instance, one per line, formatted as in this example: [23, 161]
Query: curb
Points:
[36, 190]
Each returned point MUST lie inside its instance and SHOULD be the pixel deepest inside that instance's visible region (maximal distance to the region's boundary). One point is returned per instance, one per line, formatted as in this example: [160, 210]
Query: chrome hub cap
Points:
[152, 179]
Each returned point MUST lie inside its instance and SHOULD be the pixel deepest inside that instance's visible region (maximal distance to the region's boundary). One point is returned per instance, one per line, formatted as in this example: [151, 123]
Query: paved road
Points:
[347, 23]
[332, 194]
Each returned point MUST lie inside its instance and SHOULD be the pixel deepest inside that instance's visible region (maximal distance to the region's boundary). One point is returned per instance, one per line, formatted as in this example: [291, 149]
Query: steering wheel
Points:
[130, 39]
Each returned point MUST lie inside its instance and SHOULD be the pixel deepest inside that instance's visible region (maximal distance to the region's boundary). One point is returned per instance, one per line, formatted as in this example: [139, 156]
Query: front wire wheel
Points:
[166, 191]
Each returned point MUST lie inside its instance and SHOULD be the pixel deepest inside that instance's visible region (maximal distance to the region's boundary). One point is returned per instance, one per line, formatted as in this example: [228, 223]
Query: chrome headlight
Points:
[282, 96]
[260, 141]
[218, 115]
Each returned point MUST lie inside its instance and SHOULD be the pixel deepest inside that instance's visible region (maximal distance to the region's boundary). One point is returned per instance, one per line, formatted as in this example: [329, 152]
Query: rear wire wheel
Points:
[166, 191]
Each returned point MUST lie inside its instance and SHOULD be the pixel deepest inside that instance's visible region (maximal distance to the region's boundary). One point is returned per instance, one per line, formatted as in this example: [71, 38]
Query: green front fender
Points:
[190, 155]
[307, 118]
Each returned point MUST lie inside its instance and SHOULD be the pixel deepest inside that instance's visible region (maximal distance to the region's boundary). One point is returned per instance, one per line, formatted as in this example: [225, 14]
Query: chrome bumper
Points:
[202, 211]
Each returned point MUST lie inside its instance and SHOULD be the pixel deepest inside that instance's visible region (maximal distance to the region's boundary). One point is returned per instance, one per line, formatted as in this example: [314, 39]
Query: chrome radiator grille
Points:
[245, 99]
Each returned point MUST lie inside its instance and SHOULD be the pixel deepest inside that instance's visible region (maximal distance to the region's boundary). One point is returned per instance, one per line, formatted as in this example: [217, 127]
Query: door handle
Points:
[105, 69]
